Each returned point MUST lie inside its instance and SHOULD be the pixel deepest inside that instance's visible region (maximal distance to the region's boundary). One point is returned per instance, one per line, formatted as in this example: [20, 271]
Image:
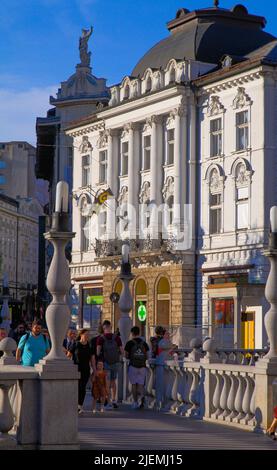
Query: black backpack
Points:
[138, 354]
[111, 352]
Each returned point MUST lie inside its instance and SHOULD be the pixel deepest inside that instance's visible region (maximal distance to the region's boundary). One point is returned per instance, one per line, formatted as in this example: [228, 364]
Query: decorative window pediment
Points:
[168, 189]
[123, 195]
[215, 106]
[242, 99]
[242, 172]
[85, 205]
[85, 145]
[144, 194]
[215, 178]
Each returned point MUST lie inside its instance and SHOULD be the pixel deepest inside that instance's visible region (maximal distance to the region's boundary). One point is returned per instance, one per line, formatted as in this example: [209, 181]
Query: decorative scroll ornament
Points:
[168, 189]
[85, 145]
[144, 195]
[242, 99]
[215, 106]
[242, 175]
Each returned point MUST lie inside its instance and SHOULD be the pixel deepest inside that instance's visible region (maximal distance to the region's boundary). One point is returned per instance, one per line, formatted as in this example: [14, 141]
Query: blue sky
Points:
[39, 46]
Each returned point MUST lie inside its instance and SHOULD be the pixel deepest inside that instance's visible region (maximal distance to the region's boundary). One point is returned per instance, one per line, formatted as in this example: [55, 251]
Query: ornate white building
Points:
[193, 124]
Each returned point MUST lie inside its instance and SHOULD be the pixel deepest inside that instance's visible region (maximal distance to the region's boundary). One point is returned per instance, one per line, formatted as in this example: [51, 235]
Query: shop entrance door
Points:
[248, 330]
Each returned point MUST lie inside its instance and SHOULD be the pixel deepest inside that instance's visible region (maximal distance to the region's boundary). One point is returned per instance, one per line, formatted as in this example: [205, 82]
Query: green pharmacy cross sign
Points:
[142, 312]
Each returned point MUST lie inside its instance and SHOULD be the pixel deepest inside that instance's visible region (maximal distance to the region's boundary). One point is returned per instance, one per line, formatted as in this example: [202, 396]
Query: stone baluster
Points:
[186, 391]
[180, 388]
[193, 396]
[232, 397]
[217, 394]
[6, 415]
[174, 390]
[239, 398]
[224, 395]
[246, 403]
[150, 391]
[252, 421]
[168, 383]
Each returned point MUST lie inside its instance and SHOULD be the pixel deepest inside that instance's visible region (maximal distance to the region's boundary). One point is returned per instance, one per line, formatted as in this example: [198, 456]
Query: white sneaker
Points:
[94, 411]
[80, 410]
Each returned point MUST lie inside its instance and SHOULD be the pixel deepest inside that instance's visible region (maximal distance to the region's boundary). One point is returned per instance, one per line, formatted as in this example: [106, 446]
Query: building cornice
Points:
[223, 84]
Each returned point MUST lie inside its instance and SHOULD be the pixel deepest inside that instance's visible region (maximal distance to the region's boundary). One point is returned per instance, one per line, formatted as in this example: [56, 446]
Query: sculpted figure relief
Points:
[83, 47]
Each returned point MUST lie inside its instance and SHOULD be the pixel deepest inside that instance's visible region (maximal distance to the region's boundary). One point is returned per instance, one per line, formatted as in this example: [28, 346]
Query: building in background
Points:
[19, 252]
[194, 123]
[77, 97]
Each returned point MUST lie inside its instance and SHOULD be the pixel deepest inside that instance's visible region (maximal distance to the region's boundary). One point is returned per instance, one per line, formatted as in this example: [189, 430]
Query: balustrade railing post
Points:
[6, 415]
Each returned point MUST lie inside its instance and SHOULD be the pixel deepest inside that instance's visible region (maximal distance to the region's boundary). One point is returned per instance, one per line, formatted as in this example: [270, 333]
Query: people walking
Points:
[109, 348]
[154, 340]
[81, 353]
[136, 350]
[18, 332]
[33, 346]
[99, 389]
[69, 340]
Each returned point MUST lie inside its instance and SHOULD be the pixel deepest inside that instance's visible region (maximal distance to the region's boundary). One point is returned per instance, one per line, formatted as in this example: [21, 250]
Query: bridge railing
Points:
[208, 386]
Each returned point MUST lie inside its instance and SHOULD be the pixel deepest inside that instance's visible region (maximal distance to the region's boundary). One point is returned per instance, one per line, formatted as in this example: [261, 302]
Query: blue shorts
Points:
[112, 370]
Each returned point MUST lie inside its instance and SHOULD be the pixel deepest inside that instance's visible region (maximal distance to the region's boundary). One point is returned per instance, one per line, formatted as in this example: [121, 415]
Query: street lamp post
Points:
[58, 279]
[126, 301]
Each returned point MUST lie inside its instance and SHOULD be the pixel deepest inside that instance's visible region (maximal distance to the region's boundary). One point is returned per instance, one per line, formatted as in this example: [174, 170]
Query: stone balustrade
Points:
[210, 388]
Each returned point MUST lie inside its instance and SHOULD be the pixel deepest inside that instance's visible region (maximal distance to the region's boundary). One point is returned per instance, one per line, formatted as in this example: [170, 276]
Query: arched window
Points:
[215, 195]
[126, 92]
[163, 302]
[242, 197]
[141, 307]
[172, 75]
[148, 86]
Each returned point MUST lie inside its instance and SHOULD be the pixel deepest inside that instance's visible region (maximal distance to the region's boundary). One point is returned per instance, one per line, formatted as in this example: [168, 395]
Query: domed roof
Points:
[206, 35]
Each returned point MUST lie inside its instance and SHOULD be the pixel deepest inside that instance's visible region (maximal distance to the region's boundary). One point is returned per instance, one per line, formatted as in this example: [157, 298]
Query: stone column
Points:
[133, 168]
[112, 179]
[58, 376]
[155, 165]
[180, 151]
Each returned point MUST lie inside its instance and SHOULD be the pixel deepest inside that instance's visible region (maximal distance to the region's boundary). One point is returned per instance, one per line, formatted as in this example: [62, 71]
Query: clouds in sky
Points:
[19, 110]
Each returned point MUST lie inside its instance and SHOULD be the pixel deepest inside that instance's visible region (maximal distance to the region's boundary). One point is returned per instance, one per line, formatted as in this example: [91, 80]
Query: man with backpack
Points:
[33, 346]
[109, 348]
[155, 340]
[136, 350]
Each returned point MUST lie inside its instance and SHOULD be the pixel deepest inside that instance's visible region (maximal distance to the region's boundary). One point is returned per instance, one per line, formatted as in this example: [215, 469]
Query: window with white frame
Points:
[242, 130]
[85, 170]
[124, 158]
[103, 166]
[146, 152]
[85, 233]
[215, 137]
[215, 213]
[242, 196]
[170, 146]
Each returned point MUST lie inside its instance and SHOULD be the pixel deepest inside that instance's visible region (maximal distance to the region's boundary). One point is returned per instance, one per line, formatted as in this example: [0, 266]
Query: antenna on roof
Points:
[216, 3]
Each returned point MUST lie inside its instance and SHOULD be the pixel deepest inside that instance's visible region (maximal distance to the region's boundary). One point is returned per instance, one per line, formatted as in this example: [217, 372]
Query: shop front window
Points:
[92, 307]
[223, 313]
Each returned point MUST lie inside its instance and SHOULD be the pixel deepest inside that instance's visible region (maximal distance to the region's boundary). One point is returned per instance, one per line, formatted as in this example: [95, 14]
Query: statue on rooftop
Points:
[83, 47]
